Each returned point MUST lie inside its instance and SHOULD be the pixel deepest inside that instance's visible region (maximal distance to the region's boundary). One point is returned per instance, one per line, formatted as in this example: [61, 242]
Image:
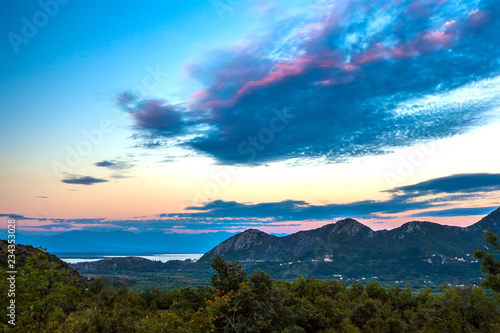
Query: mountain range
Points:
[424, 254]
[350, 239]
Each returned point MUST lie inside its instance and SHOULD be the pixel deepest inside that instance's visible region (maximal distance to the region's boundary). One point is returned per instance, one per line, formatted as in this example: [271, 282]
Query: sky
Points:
[222, 115]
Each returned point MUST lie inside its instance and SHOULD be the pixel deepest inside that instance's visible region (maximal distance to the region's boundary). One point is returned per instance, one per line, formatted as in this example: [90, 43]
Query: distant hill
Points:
[128, 264]
[23, 252]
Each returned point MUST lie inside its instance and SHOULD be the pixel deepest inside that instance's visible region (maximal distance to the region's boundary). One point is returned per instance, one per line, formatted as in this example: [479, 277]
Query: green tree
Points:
[489, 264]
[261, 306]
[229, 276]
[364, 312]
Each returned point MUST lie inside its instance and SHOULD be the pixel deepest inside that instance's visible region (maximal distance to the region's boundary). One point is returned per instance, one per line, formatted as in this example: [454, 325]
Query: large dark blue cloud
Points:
[356, 79]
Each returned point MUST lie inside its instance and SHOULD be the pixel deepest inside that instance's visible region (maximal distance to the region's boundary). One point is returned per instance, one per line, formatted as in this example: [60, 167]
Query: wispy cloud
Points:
[474, 182]
[12, 216]
[428, 195]
[363, 78]
[83, 180]
[435, 198]
[457, 212]
[114, 164]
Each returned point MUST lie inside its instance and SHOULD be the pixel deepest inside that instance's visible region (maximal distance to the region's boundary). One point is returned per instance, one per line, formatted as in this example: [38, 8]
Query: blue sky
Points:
[90, 51]
[132, 115]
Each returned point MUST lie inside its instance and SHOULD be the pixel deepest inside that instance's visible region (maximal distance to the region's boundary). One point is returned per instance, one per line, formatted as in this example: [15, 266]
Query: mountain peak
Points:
[422, 228]
[249, 237]
[489, 221]
[412, 226]
[348, 221]
[348, 226]
[245, 241]
[495, 213]
[252, 231]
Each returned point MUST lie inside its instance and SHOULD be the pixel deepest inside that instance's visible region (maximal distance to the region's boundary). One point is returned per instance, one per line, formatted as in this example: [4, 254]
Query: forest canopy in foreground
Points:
[51, 297]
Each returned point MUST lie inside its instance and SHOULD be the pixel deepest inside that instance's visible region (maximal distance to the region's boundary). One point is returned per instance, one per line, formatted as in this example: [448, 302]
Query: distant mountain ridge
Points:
[123, 242]
[349, 238]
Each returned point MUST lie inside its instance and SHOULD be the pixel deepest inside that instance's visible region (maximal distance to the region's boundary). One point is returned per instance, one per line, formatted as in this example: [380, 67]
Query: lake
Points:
[161, 257]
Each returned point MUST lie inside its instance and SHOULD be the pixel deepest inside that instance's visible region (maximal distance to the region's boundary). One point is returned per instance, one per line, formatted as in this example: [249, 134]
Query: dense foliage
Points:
[489, 264]
[50, 299]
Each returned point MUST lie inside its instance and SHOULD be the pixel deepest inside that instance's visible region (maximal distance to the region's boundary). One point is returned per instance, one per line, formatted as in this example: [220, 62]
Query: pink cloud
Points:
[200, 94]
[477, 18]
[376, 53]
[450, 25]
[156, 115]
[432, 41]
[244, 80]
[403, 52]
